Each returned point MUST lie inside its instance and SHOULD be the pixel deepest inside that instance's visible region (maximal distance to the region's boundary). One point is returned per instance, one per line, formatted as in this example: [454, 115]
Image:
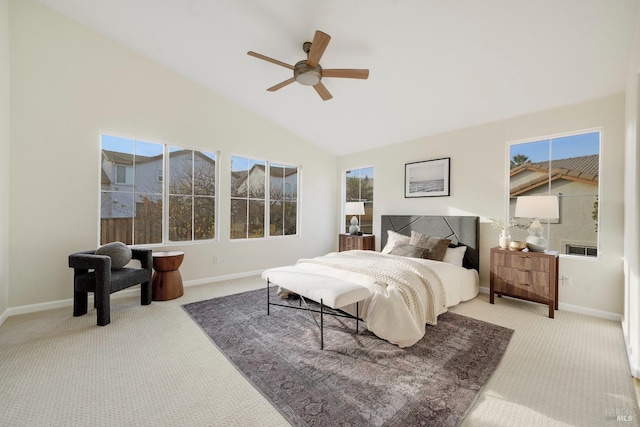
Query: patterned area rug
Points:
[357, 379]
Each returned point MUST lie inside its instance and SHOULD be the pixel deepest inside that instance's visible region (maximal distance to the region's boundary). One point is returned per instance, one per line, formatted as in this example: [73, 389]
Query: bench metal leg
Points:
[321, 312]
[321, 325]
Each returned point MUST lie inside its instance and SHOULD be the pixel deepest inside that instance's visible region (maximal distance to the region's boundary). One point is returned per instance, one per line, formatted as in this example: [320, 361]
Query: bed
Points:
[406, 291]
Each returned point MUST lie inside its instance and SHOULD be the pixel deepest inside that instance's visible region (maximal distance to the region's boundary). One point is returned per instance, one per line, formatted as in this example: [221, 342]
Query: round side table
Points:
[167, 281]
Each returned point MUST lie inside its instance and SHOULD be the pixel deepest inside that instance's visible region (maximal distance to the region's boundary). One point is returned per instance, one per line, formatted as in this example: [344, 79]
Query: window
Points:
[131, 199]
[359, 188]
[283, 200]
[252, 204]
[191, 195]
[133, 192]
[566, 166]
[124, 174]
[581, 250]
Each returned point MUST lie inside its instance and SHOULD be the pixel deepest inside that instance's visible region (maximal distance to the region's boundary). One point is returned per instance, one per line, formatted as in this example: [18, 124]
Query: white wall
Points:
[631, 323]
[69, 84]
[4, 156]
[478, 187]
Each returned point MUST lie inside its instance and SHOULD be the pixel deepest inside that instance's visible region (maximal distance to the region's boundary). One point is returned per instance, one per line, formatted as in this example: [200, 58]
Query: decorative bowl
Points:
[517, 245]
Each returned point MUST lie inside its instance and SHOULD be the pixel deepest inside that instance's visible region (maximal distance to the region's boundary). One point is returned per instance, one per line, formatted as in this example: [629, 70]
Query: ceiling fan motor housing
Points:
[306, 75]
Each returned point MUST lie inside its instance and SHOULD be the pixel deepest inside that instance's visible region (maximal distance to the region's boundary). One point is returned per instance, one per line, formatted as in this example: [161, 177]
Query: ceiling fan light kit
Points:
[308, 72]
[306, 75]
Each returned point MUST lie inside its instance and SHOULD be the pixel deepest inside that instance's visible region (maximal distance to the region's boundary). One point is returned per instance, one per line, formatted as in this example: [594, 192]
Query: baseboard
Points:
[591, 312]
[32, 308]
[4, 316]
[222, 278]
[576, 309]
[635, 369]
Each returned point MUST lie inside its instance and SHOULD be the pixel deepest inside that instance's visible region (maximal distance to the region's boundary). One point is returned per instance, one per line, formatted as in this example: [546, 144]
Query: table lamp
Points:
[537, 207]
[354, 208]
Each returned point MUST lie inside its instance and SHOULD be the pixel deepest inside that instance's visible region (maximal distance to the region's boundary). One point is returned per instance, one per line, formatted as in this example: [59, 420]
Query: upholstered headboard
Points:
[461, 230]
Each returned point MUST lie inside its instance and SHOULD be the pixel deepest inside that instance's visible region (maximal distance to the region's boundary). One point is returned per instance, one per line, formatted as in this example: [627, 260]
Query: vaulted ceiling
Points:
[435, 65]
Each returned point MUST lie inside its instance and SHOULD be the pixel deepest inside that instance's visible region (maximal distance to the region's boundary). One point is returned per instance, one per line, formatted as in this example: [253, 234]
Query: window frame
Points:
[166, 183]
[267, 198]
[562, 243]
[159, 176]
[344, 222]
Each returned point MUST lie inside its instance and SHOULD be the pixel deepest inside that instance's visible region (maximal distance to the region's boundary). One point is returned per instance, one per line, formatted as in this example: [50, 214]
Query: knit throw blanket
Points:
[420, 287]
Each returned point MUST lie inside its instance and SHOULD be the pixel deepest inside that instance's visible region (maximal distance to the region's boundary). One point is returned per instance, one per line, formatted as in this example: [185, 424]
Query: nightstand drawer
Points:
[522, 290]
[521, 260]
[349, 242]
[523, 276]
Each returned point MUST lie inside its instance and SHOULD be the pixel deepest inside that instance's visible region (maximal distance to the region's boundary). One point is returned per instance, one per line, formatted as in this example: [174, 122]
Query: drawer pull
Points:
[517, 284]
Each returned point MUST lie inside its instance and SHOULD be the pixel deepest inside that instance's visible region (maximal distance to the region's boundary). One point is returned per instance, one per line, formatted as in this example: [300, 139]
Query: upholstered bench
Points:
[326, 291]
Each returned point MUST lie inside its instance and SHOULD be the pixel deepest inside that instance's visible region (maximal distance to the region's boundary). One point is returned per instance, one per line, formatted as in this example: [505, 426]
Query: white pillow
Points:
[392, 239]
[455, 255]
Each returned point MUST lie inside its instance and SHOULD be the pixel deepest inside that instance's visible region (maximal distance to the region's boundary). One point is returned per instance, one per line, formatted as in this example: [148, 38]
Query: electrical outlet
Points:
[215, 259]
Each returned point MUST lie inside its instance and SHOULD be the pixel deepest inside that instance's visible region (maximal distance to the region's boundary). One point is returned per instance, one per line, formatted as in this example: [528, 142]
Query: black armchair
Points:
[93, 273]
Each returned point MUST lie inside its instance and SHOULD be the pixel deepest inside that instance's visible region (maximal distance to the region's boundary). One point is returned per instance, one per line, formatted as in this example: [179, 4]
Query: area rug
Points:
[356, 380]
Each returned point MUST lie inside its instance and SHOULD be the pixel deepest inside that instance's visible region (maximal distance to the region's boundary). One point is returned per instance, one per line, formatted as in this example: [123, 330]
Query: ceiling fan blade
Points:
[273, 61]
[346, 73]
[281, 85]
[318, 45]
[322, 91]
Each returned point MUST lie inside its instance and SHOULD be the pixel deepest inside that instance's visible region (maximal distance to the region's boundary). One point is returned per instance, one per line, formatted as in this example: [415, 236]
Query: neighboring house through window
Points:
[252, 207]
[566, 166]
[134, 194]
[359, 188]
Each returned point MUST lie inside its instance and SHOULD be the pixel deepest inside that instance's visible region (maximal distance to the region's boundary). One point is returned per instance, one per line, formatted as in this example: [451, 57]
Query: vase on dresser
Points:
[505, 239]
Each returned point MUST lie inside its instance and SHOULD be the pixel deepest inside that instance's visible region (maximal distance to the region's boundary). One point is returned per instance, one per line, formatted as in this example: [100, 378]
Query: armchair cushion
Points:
[119, 253]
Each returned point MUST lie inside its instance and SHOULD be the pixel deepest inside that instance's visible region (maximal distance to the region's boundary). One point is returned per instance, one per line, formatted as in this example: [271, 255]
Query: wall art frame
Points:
[427, 178]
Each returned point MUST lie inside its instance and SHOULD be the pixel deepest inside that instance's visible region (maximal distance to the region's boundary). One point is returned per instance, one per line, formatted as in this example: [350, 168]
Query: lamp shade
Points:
[537, 207]
[354, 208]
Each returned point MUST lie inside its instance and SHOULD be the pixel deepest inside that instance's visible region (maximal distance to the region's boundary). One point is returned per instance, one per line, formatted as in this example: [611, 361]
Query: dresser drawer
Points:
[524, 290]
[522, 276]
[349, 242]
[521, 261]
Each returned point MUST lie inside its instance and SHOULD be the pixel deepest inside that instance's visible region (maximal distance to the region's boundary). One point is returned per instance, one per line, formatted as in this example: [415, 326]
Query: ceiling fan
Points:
[309, 72]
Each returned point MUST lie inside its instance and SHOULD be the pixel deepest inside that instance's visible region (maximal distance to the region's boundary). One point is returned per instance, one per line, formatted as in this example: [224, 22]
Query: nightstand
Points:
[531, 276]
[349, 242]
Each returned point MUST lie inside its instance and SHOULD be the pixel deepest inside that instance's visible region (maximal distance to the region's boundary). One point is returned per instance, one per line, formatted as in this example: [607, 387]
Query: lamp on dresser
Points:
[354, 208]
[537, 207]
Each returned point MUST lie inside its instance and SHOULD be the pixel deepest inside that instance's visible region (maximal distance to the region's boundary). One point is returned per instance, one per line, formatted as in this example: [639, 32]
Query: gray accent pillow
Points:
[405, 249]
[435, 246]
[119, 253]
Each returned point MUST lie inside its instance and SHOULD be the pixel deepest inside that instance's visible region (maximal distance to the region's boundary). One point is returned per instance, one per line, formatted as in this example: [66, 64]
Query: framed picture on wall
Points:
[429, 178]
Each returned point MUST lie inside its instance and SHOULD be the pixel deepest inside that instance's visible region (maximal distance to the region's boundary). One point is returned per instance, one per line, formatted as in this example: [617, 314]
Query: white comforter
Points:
[388, 313]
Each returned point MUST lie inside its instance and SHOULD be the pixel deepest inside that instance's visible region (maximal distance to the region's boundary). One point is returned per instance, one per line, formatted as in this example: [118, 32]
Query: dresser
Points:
[531, 276]
[349, 242]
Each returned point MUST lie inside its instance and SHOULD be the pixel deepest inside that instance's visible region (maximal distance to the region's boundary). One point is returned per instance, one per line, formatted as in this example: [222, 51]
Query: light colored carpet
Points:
[154, 366]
